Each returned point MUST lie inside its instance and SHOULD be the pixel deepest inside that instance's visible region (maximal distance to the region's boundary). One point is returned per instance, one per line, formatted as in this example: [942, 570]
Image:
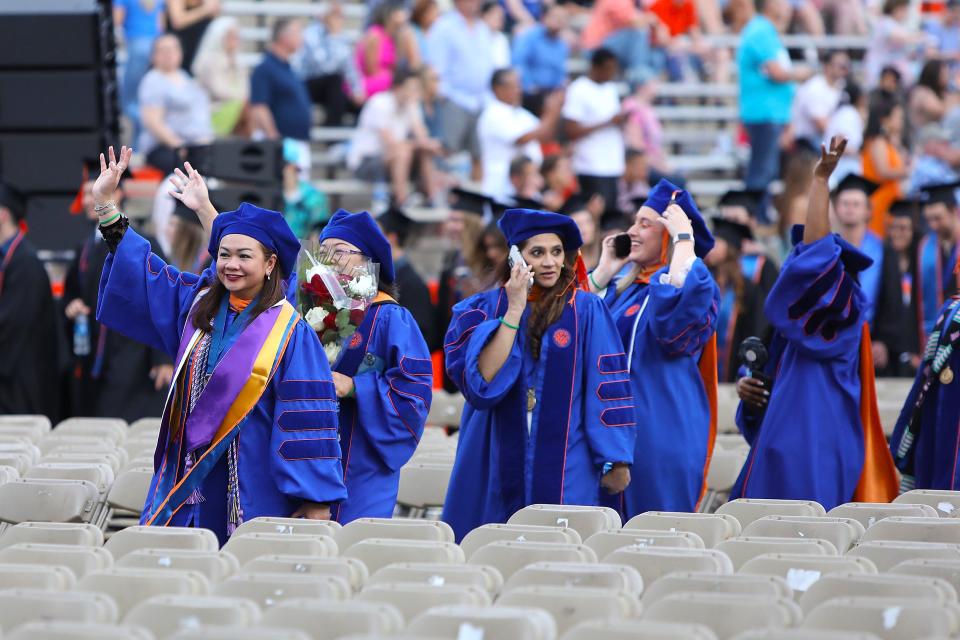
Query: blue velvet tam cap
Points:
[266, 226]
[518, 225]
[659, 199]
[854, 260]
[362, 231]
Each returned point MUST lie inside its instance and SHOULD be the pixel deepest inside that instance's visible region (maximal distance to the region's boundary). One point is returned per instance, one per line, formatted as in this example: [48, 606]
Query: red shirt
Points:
[679, 17]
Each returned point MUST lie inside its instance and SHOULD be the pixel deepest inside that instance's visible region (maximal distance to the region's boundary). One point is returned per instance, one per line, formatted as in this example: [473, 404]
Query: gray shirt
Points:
[186, 107]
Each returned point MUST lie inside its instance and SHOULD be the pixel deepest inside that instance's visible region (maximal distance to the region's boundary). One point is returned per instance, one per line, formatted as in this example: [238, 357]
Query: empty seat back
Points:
[738, 583]
[142, 537]
[50, 577]
[867, 513]
[215, 565]
[490, 623]
[915, 529]
[166, 615]
[585, 520]
[482, 576]
[606, 542]
[746, 510]
[248, 546]
[574, 575]
[99, 474]
[267, 589]
[726, 614]
[333, 619]
[424, 484]
[274, 525]
[412, 599]
[31, 426]
[711, 527]
[639, 630]
[377, 553]
[802, 571]
[80, 560]
[842, 533]
[946, 570]
[78, 631]
[571, 606]
[488, 533]
[350, 569]
[888, 618]
[235, 633]
[80, 534]
[129, 491]
[18, 606]
[946, 503]
[109, 458]
[839, 585]
[804, 634]
[26, 500]
[393, 529]
[129, 587]
[887, 554]
[511, 556]
[652, 563]
[742, 548]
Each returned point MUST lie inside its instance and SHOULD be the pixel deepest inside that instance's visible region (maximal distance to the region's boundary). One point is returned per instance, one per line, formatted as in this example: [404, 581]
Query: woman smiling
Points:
[549, 413]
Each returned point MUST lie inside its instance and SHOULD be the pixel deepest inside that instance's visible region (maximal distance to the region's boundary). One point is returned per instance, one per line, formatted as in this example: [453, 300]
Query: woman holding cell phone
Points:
[549, 414]
[665, 303]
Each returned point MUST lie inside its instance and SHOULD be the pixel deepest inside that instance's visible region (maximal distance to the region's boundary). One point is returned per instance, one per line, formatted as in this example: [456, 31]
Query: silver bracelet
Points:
[106, 206]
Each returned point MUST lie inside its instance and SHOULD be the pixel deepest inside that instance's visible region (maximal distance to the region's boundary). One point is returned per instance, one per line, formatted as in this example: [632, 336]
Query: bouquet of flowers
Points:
[336, 289]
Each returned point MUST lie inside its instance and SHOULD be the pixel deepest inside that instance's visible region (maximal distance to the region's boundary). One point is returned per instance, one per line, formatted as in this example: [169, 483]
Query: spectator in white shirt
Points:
[817, 99]
[506, 130]
[390, 137]
[592, 120]
[493, 14]
[849, 121]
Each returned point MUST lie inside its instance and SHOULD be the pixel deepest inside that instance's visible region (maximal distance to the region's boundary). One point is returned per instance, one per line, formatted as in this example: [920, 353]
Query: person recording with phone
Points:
[549, 414]
[665, 308]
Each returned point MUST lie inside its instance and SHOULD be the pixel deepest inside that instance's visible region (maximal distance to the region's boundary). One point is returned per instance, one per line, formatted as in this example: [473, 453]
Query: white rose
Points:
[363, 286]
[332, 349]
[315, 318]
[316, 270]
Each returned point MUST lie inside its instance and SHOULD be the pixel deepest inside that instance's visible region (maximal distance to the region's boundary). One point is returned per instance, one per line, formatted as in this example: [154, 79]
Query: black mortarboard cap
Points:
[12, 199]
[732, 232]
[576, 202]
[853, 182]
[940, 193]
[521, 203]
[749, 199]
[470, 202]
[395, 220]
[904, 208]
[185, 213]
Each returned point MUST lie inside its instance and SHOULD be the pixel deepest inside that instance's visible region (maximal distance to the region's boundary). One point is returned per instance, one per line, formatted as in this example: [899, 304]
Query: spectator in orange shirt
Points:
[685, 46]
[630, 33]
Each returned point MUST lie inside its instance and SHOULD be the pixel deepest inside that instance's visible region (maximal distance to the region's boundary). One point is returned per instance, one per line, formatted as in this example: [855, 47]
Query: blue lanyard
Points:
[223, 337]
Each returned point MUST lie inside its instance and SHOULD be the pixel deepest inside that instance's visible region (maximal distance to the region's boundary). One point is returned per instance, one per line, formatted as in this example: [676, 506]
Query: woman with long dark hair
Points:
[549, 413]
[665, 307]
[885, 160]
[926, 103]
[250, 425]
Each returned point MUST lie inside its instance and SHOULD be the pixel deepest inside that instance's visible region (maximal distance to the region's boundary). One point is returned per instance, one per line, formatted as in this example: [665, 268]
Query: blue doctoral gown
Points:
[927, 451]
[809, 443]
[583, 418]
[668, 328]
[282, 461]
[381, 425]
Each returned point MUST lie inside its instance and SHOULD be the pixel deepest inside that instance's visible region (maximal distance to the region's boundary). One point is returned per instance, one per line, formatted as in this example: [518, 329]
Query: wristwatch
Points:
[683, 235]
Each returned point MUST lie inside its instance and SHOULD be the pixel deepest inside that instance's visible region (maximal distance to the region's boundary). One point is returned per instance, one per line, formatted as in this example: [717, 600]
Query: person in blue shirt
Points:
[665, 308]
[540, 56]
[549, 414]
[142, 23]
[250, 425]
[279, 102]
[816, 434]
[767, 85]
[937, 253]
[851, 208]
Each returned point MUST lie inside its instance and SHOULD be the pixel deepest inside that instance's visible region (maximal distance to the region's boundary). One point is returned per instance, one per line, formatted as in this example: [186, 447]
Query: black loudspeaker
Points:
[62, 39]
[229, 198]
[68, 100]
[243, 161]
[47, 162]
[52, 226]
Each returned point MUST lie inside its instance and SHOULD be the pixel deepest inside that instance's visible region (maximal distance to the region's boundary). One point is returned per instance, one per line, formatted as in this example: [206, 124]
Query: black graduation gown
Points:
[415, 297]
[123, 388]
[28, 337]
[896, 322]
[750, 321]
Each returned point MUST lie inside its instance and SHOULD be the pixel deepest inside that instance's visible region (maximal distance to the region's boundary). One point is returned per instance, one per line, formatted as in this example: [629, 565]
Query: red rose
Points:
[330, 321]
[356, 317]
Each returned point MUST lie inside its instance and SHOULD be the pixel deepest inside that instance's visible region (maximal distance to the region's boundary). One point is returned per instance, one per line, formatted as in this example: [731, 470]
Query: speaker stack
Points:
[58, 106]
[245, 171]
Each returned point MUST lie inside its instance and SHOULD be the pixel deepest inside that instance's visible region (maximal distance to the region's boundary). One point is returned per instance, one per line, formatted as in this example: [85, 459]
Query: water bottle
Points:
[81, 335]
[380, 201]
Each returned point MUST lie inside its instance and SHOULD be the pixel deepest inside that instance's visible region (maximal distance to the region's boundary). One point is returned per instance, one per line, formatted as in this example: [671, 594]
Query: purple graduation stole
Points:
[235, 386]
[352, 357]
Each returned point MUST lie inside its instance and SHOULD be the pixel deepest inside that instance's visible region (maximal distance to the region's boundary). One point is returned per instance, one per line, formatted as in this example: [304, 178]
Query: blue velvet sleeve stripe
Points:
[615, 390]
[834, 311]
[618, 417]
[806, 302]
[308, 420]
[313, 449]
[291, 390]
[612, 363]
[416, 366]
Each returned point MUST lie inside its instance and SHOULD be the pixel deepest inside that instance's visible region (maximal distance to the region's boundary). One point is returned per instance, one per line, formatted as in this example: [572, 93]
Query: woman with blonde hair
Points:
[218, 70]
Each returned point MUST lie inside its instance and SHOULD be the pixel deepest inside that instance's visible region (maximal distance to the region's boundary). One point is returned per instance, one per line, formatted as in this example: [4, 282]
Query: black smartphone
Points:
[621, 245]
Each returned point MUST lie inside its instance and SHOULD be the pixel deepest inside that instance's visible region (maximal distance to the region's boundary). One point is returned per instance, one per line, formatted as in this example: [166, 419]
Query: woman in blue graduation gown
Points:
[383, 377]
[665, 307]
[549, 412]
[819, 437]
[249, 428]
